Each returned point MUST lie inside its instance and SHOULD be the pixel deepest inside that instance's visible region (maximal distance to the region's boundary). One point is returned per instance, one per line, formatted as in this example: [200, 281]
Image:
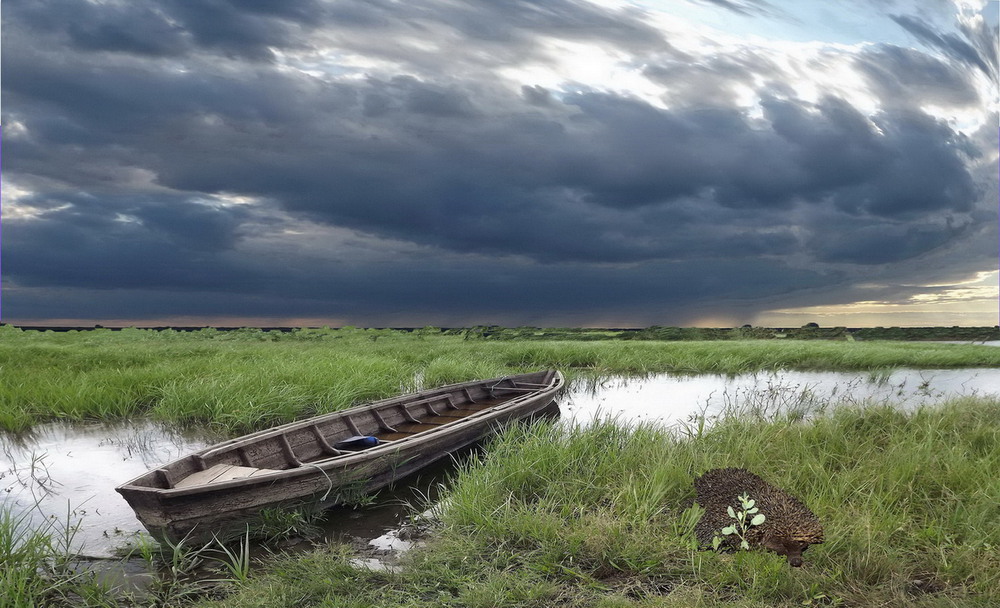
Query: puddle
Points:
[65, 474]
[669, 400]
[387, 548]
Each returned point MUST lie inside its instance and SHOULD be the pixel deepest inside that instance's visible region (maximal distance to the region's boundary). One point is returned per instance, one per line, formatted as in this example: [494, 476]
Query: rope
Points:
[328, 480]
[490, 389]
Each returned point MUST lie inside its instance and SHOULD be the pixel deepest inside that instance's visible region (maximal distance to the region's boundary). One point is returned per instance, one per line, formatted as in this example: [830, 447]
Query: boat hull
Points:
[171, 506]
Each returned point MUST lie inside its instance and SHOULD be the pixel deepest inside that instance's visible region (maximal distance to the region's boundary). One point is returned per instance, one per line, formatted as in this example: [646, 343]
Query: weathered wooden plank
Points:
[218, 473]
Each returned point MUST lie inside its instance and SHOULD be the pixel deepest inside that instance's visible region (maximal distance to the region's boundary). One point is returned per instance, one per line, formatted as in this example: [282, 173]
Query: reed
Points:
[38, 566]
[22, 551]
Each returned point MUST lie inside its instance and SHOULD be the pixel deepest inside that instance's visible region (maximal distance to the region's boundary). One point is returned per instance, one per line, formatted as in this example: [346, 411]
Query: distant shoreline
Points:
[495, 332]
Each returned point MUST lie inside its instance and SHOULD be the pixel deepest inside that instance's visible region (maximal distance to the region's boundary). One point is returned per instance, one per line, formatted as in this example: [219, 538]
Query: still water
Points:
[67, 473]
[671, 400]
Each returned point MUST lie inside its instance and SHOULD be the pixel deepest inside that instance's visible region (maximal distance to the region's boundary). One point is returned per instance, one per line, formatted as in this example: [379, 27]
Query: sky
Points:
[517, 162]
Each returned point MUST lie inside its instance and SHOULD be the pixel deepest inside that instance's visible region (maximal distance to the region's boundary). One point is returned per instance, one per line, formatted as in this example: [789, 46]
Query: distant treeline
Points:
[810, 331]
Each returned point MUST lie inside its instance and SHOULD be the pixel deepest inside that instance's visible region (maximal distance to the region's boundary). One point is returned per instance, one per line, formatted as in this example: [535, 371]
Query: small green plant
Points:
[176, 565]
[684, 526]
[274, 525]
[741, 525]
[235, 562]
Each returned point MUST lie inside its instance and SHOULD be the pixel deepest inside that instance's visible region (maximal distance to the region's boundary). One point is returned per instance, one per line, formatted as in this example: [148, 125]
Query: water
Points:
[65, 474]
[68, 472]
[670, 400]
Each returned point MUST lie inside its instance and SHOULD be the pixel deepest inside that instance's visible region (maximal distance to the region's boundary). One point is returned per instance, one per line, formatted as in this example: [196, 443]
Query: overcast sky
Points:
[546, 162]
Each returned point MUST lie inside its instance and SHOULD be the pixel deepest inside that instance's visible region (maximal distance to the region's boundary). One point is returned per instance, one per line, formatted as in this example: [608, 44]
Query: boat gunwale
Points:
[366, 407]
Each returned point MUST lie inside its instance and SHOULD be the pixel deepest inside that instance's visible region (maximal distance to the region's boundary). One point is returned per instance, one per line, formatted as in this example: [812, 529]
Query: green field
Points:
[588, 517]
[246, 380]
[595, 518]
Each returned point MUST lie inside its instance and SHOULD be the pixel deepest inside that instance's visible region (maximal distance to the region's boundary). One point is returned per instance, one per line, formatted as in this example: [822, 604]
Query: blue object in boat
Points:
[357, 442]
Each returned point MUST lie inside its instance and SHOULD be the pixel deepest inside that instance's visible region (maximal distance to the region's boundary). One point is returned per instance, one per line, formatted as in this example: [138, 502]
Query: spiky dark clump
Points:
[789, 526]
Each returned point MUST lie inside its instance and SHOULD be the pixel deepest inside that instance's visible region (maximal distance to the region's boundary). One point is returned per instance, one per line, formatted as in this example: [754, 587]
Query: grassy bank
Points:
[590, 518]
[595, 518]
[248, 379]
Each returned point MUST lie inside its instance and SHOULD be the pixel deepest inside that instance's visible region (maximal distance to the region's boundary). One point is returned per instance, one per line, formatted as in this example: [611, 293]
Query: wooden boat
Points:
[329, 459]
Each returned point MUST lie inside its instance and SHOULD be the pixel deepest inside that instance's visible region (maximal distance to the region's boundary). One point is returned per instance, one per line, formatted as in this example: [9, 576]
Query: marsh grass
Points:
[38, 567]
[182, 572]
[594, 515]
[246, 380]
[601, 515]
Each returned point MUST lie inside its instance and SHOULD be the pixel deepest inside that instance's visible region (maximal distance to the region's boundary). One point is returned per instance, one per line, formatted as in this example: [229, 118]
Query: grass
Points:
[595, 517]
[247, 380]
[39, 568]
[591, 516]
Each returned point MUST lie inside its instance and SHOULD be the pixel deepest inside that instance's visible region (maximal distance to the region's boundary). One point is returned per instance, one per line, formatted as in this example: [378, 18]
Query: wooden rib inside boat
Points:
[327, 458]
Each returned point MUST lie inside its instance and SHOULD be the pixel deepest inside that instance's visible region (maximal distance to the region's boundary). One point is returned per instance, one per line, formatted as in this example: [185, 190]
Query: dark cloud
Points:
[748, 8]
[124, 242]
[247, 30]
[838, 239]
[132, 270]
[976, 48]
[137, 123]
[626, 181]
[505, 32]
[901, 75]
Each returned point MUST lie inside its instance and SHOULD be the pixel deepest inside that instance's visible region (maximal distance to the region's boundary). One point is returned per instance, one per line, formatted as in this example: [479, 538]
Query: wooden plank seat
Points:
[220, 472]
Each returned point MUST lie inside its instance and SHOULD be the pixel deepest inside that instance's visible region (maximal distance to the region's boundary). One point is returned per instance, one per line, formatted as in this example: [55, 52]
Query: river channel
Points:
[67, 473]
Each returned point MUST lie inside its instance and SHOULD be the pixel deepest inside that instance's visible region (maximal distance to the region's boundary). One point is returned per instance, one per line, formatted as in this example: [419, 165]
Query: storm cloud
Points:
[378, 162]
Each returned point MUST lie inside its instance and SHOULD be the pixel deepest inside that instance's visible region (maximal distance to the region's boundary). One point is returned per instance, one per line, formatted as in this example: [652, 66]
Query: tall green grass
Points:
[38, 565]
[598, 516]
[248, 379]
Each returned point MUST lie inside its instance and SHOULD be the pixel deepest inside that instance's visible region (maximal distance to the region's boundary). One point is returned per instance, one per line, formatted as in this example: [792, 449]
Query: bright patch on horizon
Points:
[970, 302]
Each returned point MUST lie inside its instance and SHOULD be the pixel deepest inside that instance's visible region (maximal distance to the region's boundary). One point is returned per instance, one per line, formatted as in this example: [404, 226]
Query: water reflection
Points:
[65, 474]
[669, 400]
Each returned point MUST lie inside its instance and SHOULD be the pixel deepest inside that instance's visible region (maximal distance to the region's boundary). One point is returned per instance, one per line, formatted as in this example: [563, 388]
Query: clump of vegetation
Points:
[38, 567]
